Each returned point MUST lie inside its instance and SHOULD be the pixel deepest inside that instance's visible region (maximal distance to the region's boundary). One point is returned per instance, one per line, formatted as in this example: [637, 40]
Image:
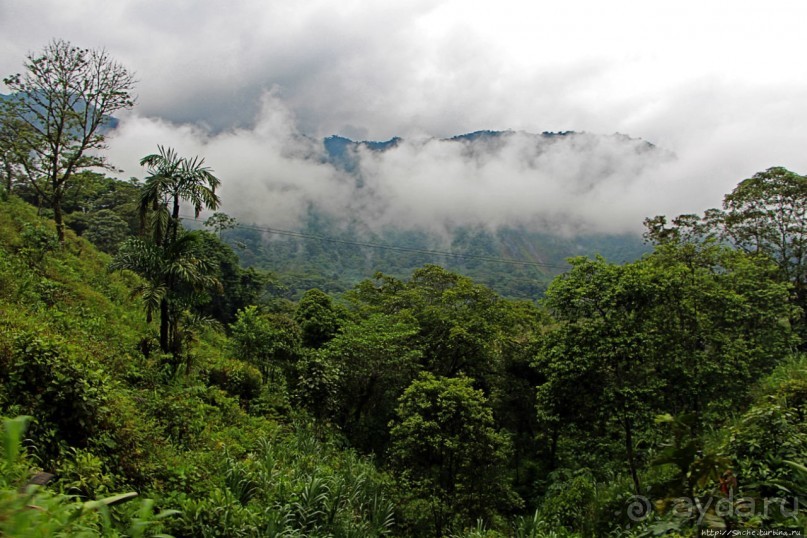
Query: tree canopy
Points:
[57, 112]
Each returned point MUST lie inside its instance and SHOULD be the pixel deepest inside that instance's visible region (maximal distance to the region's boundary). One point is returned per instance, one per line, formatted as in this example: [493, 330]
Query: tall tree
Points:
[319, 318]
[449, 456]
[724, 323]
[170, 273]
[675, 332]
[460, 323]
[170, 262]
[59, 108]
[767, 213]
[172, 179]
[599, 361]
[378, 358]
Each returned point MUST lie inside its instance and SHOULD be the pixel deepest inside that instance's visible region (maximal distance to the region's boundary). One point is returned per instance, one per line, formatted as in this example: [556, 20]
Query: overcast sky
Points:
[721, 84]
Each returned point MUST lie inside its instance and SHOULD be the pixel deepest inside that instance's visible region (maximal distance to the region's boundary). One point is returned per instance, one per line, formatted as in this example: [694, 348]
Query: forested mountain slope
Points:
[110, 414]
[660, 396]
[639, 387]
[335, 251]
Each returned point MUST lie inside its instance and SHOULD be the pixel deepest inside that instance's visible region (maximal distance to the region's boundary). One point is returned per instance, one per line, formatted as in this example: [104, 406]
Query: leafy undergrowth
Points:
[111, 415]
[143, 444]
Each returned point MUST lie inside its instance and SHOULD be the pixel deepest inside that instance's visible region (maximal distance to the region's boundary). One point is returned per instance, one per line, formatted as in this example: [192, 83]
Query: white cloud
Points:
[720, 85]
[271, 174]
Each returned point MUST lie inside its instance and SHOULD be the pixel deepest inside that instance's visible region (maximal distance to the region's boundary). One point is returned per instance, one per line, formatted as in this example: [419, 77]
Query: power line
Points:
[396, 248]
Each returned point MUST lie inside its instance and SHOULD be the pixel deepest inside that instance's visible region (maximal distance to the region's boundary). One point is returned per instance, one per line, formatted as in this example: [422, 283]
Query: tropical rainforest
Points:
[152, 384]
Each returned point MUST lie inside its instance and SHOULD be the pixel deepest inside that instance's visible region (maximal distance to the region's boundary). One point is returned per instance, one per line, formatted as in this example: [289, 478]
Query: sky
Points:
[254, 86]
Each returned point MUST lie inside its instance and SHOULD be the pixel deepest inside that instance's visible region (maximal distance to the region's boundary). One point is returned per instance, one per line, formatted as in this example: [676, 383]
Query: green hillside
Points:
[516, 263]
[152, 385]
[209, 439]
[482, 416]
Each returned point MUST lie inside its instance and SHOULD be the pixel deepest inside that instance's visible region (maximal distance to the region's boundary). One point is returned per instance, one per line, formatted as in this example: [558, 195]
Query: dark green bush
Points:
[237, 378]
[37, 242]
[47, 378]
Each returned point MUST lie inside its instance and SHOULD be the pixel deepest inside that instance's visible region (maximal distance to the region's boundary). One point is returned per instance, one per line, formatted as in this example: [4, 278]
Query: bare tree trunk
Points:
[9, 175]
[164, 326]
[629, 451]
[58, 218]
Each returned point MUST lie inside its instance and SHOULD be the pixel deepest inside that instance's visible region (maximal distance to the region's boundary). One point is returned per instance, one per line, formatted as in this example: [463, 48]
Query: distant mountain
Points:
[342, 151]
[347, 254]
[110, 122]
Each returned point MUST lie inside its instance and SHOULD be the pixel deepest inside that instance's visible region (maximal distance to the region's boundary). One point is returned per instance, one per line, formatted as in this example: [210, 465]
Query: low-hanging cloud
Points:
[563, 183]
[273, 174]
[254, 85]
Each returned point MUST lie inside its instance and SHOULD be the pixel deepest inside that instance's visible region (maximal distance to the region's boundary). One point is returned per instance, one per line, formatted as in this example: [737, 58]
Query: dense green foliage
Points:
[109, 418]
[56, 115]
[666, 395]
[637, 383]
[450, 457]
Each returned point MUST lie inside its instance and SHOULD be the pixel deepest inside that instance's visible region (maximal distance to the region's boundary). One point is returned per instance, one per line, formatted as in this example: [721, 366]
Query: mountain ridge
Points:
[332, 247]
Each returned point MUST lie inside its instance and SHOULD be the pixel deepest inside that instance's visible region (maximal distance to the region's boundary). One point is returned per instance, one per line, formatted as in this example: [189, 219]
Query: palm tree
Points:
[172, 179]
[170, 274]
[164, 258]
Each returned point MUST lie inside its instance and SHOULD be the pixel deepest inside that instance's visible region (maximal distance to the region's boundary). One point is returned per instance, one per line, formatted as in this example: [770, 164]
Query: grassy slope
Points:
[108, 419]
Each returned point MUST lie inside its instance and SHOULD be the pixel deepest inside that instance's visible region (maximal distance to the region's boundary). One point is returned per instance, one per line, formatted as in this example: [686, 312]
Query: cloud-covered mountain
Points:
[449, 195]
[540, 196]
[548, 182]
[567, 183]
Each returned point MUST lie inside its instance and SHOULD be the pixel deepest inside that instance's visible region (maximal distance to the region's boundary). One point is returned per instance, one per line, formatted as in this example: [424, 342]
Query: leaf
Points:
[798, 466]
[109, 501]
[12, 436]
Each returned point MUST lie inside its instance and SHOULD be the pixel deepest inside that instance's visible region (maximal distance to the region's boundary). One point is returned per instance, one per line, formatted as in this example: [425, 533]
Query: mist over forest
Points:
[434, 270]
[568, 184]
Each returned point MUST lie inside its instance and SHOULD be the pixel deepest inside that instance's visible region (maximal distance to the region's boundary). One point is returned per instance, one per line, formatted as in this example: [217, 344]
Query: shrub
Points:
[237, 378]
[63, 389]
[34, 511]
[37, 243]
[570, 501]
